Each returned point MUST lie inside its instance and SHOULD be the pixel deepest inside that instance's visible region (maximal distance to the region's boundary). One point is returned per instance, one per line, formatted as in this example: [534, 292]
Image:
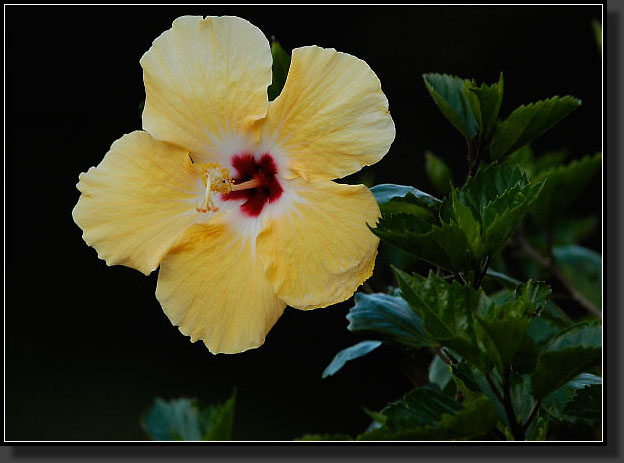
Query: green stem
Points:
[481, 273]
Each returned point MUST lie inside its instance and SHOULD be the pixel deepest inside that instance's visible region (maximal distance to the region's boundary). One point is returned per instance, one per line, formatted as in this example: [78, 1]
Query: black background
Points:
[87, 346]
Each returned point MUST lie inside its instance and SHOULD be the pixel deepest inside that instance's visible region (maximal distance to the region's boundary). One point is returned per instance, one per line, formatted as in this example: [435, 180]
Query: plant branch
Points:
[439, 353]
[497, 394]
[482, 272]
[550, 264]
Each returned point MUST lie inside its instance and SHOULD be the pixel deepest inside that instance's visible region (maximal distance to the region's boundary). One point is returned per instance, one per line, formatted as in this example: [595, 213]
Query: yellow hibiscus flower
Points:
[232, 195]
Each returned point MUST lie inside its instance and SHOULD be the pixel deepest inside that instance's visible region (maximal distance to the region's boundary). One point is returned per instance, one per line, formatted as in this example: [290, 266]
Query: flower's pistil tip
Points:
[216, 179]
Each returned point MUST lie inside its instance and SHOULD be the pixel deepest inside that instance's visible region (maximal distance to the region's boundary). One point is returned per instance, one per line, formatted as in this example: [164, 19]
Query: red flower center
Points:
[263, 171]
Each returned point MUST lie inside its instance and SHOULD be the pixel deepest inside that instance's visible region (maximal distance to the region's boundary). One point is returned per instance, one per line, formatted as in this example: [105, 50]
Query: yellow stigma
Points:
[216, 179]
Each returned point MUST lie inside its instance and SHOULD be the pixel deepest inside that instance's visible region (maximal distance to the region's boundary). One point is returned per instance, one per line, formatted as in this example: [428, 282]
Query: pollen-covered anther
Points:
[216, 179]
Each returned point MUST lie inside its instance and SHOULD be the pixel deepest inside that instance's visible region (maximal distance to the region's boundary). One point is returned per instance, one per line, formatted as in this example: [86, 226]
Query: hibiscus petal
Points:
[213, 287]
[206, 84]
[331, 118]
[137, 201]
[320, 250]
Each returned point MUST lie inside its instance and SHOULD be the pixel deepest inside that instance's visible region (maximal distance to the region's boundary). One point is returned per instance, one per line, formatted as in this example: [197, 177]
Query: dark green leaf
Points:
[579, 398]
[569, 353]
[499, 196]
[521, 397]
[405, 199]
[457, 212]
[490, 183]
[531, 165]
[549, 160]
[503, 215]
[467, 375]
[475, 221]
[523, 158]
[485, 102]
[501, 329]
[471, 379]
[281, 64]
[528, 122]
[562, 187]
[184, 419]
[421, 406]
[388, 316]
[447, 312]
[582, 267]
[218, 421]
[448, 94]
[427, 414]
[479, 329]
[443, 245]
[553, 313]
[586, 404]
[542, 328]
[438, 172]
[350, 353]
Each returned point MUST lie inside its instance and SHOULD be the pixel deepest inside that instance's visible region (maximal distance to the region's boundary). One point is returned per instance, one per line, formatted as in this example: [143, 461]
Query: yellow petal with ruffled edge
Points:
[137, 201]
[320, 250]
[213, 287]
[331, 118]
[206, 84]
